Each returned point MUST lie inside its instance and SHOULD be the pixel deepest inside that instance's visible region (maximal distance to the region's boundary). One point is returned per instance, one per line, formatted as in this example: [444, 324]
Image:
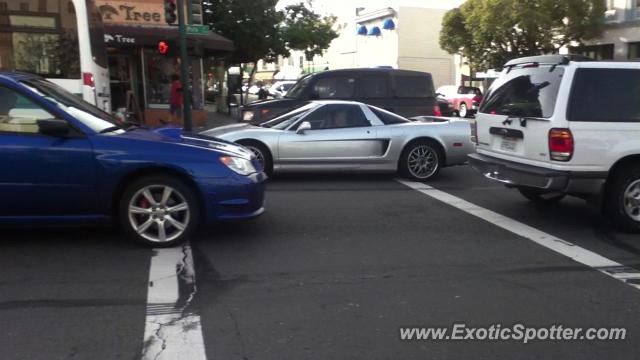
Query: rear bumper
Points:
[522, 175]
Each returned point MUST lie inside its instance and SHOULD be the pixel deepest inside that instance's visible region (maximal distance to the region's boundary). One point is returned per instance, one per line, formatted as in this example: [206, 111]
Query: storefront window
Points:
[158, 72]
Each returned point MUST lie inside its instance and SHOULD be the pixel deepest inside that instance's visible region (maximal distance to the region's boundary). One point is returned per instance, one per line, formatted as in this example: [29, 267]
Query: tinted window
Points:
[299, 87]
[335, 87]
[412, 86]
[605, 95]
[388, 118]
[337, 116]
[285, 120]
[19, 114]
[374, 86]
[529, 92]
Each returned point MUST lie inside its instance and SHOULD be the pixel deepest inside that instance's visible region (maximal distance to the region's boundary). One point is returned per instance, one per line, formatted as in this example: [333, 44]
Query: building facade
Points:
[401, 37]
[140, 72]
[621, 37]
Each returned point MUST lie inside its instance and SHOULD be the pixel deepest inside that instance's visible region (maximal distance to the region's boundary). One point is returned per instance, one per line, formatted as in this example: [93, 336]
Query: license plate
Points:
[508, 144]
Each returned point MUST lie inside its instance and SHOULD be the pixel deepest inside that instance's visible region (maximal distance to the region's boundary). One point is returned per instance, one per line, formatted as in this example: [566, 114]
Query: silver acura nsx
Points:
[340, 136]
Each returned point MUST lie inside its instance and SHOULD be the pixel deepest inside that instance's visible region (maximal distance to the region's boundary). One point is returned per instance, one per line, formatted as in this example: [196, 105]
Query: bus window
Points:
[39, 42]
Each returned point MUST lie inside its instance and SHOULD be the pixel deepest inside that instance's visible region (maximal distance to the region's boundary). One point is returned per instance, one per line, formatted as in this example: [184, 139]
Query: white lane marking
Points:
[586, 257]
[172, 330]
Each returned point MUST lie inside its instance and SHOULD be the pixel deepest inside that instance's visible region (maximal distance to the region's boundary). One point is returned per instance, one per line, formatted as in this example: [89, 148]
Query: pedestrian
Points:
[175, 101]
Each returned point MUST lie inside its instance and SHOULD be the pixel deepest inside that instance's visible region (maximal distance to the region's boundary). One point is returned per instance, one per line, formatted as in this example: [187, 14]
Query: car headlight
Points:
[238, 165]
[247, 116]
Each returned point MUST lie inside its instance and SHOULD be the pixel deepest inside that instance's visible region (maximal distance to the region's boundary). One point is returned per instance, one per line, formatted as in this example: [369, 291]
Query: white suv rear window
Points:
[524, 92]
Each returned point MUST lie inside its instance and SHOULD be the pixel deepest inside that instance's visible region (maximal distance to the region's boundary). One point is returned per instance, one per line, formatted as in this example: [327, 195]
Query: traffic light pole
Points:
[184, 67]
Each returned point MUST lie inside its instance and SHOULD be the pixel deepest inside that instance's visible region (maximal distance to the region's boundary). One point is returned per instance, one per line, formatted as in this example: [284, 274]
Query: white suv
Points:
[557, 125]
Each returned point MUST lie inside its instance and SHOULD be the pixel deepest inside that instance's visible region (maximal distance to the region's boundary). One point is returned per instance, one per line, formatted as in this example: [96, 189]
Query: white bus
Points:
[61, 40]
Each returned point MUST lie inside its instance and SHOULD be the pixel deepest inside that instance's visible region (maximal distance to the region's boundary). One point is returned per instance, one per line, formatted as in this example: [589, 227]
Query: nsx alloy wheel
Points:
[159, 211]
[421, 161]
[632, 200]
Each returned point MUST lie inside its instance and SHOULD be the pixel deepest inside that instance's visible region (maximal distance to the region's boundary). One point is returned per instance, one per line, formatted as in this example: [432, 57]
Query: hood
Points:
[275, 103]
[227, 129]
[178, 137]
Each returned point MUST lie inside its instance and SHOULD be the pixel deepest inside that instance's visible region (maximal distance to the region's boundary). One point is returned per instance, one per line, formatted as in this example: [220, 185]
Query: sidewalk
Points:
[215, 119]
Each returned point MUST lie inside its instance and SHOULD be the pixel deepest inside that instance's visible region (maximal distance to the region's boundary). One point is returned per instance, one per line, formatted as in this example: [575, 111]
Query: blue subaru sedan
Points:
[64, 161]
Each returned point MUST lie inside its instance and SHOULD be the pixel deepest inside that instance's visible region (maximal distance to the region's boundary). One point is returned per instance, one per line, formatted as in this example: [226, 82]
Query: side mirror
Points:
[54, 127]
[303, 127]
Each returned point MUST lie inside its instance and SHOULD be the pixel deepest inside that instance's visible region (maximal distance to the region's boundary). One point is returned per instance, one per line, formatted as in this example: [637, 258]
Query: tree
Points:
[488, 33]
[307, 31]
[260, 32]
[254, 26]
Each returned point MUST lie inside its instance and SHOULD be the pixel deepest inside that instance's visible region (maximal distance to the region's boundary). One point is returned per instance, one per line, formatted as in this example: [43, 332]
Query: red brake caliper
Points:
[144, 203]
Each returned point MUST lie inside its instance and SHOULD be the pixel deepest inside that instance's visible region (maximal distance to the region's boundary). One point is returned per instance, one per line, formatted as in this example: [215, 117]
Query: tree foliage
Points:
[307, 31]
[490, 32]
[261, 32]
[254, 26]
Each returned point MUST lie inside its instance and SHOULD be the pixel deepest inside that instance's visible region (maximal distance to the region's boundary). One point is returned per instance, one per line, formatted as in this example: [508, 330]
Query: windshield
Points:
[284, 121]
[86, 113]
[298, 88]
[524, 92]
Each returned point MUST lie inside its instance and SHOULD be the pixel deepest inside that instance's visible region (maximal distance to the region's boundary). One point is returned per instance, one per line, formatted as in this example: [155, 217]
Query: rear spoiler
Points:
[546, 60]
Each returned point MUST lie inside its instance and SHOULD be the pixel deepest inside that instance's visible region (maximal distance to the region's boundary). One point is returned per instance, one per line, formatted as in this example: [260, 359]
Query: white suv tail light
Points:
[560, 144]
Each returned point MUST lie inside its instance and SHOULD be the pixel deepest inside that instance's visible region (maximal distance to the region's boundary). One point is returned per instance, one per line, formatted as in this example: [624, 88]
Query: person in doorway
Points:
[175, 101]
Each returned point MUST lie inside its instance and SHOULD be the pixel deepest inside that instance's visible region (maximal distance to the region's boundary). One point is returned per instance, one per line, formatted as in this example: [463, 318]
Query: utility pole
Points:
[184, 67]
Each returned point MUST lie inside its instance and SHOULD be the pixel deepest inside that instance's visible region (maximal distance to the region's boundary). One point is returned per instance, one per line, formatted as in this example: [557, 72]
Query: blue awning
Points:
[389, 25]
[374, 31]
[362, 30]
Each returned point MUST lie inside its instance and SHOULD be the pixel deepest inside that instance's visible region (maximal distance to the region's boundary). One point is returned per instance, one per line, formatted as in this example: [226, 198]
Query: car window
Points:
[337, 116]
[335, 87]
[527, 92]
[607, 95]
[374, 86]
[414, 86]
[388, 118]
[18, 114]
[285, 120]
[299, 87]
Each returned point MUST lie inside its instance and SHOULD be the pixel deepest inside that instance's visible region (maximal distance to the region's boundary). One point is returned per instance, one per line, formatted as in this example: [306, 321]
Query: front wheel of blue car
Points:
[159, 211]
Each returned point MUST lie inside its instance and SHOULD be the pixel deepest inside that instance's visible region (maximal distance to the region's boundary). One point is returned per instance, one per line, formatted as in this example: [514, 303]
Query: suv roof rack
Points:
[547, 60]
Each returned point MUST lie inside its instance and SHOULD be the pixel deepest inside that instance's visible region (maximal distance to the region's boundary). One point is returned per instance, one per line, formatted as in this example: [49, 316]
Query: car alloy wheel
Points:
[159, 213]
[422, 162]
[631, 200]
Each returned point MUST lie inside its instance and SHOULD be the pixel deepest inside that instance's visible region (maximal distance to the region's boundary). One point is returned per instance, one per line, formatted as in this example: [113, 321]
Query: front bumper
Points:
[233, 198]
[522, 175]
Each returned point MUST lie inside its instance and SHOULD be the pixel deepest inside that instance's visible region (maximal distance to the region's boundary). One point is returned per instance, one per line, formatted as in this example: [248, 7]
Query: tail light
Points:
[560, 144]
[436, 110]
[474, 130]
[476, 100]
[87, 79]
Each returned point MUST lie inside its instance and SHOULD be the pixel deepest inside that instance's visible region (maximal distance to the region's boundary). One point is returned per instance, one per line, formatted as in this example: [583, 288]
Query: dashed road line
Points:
[172, 329]
[628, 275]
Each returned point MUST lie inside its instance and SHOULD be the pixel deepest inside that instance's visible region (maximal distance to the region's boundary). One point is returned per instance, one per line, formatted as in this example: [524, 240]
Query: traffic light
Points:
[167, 48]
[170, 15]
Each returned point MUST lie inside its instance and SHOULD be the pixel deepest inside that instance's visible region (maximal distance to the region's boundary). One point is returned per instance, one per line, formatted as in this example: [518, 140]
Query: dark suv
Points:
[404, 92]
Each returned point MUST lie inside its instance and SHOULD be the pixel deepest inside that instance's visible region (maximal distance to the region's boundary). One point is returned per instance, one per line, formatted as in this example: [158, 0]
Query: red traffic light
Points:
[163, 47]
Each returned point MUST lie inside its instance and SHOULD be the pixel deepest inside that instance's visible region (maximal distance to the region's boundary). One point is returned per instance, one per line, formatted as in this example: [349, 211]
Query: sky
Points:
[347, 7]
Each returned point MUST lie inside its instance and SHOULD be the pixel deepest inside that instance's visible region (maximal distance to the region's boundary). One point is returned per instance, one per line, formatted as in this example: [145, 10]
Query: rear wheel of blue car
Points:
[159, 211]
[421, 160]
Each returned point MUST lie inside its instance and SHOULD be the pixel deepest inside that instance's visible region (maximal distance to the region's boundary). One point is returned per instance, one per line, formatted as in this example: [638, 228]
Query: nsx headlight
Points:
[247, 115]
[238, 165]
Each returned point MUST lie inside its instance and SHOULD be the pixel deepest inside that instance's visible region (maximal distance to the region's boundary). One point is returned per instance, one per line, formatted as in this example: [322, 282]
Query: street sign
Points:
[197, 29]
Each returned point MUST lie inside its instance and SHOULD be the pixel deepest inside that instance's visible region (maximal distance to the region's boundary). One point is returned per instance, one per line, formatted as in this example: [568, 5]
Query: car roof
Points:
[16, 75]
[336, 102]
[371, 70]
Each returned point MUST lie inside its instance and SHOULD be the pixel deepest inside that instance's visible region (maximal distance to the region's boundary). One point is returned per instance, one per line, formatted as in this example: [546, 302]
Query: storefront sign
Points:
[118, 39]
[148, 12]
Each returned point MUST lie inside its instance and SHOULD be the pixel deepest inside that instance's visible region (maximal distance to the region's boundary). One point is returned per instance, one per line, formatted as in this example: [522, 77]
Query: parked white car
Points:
[557, 125]
[279, 88]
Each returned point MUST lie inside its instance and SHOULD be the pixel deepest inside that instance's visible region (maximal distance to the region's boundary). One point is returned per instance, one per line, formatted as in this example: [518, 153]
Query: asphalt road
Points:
[332, 270]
